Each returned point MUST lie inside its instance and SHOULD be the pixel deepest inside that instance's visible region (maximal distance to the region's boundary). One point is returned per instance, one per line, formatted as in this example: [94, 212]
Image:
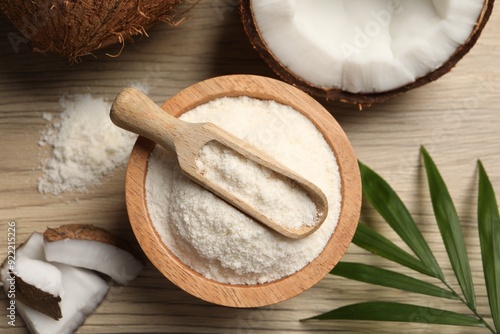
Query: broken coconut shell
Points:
[359, 98]
[77, 28]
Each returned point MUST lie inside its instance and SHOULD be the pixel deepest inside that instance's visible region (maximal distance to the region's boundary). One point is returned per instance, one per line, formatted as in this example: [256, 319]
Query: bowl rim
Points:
[259, 294]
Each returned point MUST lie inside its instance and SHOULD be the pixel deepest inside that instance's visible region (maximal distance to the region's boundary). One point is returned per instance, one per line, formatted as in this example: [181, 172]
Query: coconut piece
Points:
[77, 28]
[80, 245]
[38, 284]
[82, 290]
[363, 51]
[26, 272]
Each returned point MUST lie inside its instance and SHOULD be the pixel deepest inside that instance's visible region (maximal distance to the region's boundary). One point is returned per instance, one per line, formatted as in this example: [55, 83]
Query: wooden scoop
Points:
[134, 111]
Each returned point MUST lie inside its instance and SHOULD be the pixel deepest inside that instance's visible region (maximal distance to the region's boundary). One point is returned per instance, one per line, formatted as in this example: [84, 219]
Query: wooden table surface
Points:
[456, 118]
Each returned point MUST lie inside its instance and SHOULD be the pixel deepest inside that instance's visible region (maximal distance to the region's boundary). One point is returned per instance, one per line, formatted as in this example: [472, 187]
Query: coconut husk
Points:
[79, 27]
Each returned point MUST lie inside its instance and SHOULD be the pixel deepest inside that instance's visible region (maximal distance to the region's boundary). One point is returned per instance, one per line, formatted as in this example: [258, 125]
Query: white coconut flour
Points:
[219, 241]
[279, 199]
[86, 145]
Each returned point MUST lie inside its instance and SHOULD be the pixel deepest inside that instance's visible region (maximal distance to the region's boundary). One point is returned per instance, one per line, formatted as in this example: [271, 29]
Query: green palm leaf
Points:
[383, 198]
[387, 278]
[388, 311]
[369, 239]
[489, 236]
[388, 204]
[449, 226]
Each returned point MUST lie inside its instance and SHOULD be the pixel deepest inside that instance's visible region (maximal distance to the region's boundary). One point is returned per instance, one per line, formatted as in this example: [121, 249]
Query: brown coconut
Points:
[360, 99]
[75, 28]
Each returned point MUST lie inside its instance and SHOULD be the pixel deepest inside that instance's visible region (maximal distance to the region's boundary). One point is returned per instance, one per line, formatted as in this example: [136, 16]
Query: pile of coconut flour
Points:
[217, 240]
[86, 145]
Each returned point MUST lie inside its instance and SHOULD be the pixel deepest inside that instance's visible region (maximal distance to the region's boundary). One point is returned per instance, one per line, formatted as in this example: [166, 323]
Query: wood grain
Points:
[456, 118]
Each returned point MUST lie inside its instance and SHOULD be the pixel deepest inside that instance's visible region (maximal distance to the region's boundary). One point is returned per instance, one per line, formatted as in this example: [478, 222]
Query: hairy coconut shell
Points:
[361, 99]
[74, 28]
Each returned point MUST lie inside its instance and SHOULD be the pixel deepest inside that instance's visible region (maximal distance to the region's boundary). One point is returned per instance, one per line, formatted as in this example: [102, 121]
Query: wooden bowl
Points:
[260, 294]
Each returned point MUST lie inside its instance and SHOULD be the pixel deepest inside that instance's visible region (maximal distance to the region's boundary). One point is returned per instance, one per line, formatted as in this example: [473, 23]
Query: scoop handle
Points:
[132, 110]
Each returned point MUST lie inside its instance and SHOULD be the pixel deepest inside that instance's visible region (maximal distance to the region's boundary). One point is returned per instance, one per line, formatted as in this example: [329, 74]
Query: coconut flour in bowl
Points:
[217, 240]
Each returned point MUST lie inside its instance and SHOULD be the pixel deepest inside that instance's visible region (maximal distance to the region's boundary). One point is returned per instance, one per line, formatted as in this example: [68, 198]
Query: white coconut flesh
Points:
[31, 267]
[364, 46]
[33, 247]
[108, 259]
[39, 274]
[30, 249]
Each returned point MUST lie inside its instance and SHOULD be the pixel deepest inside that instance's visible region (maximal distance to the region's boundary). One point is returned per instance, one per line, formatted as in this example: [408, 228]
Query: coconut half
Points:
[363, 51]
[92, 247]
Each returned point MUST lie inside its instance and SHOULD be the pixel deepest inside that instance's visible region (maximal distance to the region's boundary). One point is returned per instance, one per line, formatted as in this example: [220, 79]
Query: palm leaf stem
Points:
[474, 311]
